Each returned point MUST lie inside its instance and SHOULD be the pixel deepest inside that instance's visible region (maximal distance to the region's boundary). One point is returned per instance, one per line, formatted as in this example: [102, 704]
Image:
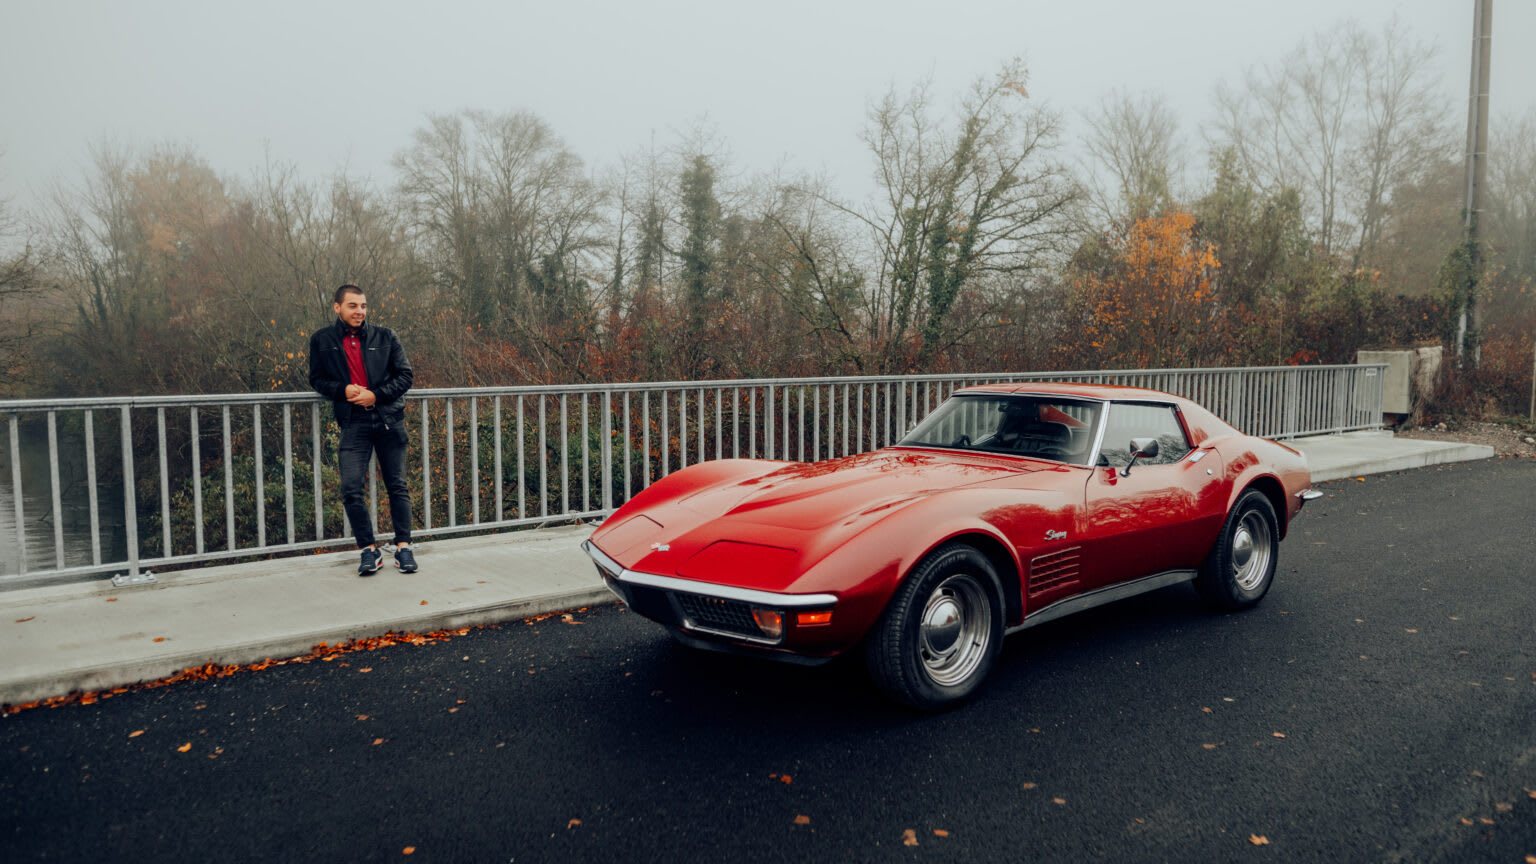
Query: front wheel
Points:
[1238, 572]
[941, 632]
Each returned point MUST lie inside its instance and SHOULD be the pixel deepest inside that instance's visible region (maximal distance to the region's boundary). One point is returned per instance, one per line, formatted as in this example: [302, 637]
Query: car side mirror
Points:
[1140, 448]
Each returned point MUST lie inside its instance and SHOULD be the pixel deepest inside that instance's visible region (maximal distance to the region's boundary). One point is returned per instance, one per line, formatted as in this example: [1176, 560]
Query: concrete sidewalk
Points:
[91, 636]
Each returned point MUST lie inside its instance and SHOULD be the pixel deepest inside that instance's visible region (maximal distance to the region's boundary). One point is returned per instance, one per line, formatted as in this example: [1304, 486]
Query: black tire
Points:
[1241, 567]
[935, 666]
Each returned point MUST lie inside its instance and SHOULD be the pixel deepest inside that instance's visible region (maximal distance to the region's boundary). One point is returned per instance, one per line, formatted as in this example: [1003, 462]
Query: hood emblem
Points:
[661, 547]
[1055, 535]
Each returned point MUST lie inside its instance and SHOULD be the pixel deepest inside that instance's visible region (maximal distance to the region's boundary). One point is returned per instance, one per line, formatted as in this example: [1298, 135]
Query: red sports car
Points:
[1008, 506]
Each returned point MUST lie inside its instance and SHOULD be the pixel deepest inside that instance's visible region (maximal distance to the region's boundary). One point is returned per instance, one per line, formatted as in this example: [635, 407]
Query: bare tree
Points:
[963, 210]
[117, 244]
[21, 289]
[1512, 194]
[1400, 135]
[1135, 153]
[1288, 125]
[506, 221]
[819, 281]
[1344, 119]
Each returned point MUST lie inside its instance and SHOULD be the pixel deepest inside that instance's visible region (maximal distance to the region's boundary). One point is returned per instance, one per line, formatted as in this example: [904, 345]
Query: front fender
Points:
[866, 569]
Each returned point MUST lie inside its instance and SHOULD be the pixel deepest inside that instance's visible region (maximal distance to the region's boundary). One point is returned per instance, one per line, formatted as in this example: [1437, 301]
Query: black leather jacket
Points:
[389, 373]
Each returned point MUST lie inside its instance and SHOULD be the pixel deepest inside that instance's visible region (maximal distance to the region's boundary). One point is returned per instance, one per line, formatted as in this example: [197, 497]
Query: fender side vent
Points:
[1056, 568]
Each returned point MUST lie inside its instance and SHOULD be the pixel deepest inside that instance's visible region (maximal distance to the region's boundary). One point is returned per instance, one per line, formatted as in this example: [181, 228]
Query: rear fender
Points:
[1269, 466]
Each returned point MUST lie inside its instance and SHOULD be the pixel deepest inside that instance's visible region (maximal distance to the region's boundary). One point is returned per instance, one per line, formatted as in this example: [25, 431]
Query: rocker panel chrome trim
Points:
[1101, 596]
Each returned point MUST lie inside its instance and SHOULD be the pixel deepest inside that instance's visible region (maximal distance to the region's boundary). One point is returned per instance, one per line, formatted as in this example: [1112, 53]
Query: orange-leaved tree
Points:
[1145, 299]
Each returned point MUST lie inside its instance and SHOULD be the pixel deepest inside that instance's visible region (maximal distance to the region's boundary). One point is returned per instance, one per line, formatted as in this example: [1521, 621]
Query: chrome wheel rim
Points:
[954, 630]
[1252, 549]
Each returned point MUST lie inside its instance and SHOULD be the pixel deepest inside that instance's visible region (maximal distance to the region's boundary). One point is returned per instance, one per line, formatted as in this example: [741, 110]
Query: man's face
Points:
[352, 309]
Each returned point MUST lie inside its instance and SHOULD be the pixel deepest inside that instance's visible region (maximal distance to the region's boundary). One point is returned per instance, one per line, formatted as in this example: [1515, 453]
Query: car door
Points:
[1159, 516]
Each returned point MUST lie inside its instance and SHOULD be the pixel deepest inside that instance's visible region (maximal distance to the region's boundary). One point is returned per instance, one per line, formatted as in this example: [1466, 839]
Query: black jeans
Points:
[364, 435]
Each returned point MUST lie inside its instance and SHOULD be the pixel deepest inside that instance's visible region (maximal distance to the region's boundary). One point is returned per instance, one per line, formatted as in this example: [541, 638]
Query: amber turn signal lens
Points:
[813, 619]
[770, 621]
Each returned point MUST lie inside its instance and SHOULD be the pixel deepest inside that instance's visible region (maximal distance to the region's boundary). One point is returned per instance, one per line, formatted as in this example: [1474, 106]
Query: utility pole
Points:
[1477, 172]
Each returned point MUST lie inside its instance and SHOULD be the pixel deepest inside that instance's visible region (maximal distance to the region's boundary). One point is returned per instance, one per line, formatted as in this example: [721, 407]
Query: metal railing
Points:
[203, 483]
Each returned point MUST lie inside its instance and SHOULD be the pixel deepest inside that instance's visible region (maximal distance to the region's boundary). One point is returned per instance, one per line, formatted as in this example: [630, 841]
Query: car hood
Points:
[810, 496]
[762, 532]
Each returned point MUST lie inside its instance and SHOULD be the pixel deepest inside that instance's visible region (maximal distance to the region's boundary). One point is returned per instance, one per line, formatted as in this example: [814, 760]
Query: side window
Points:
[1129, 420]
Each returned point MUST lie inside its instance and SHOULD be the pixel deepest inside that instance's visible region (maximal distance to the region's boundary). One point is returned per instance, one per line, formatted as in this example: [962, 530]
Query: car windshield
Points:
[1043, 427]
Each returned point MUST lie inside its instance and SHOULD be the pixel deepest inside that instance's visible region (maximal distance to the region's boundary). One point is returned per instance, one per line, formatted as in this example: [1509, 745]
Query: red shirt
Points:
[352, 347]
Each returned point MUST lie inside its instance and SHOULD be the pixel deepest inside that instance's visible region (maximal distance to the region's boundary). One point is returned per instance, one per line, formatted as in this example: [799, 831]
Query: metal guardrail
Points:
[497, 457]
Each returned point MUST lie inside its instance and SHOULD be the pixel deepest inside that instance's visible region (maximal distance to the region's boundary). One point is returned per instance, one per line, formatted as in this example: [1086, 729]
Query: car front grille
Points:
[714, 613]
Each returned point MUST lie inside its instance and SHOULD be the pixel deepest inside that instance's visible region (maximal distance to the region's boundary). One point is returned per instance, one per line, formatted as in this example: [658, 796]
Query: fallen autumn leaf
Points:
[184, 748]
[940, 832]
[572, 824]
[802, 820]
[25, 620]
[136, 733]
[909, 837]
[1258, 839]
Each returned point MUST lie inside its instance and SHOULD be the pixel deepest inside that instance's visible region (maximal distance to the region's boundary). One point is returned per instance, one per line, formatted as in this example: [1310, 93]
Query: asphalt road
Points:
[1380, 705]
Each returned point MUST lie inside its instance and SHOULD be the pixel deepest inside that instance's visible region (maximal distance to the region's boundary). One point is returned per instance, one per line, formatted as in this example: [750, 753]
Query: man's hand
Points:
[360, 396]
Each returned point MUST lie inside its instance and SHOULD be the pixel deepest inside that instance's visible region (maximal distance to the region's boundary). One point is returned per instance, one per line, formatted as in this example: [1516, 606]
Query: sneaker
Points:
[373, 559]
[405, 560]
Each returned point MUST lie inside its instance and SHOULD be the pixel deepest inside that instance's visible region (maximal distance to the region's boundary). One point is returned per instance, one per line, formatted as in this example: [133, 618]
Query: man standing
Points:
[362, 369]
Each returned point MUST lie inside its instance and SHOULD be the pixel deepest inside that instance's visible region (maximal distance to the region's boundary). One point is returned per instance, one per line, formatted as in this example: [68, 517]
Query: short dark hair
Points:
[344, 290]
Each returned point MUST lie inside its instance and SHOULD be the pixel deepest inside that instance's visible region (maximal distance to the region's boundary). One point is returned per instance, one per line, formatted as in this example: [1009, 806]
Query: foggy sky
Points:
[327, 85]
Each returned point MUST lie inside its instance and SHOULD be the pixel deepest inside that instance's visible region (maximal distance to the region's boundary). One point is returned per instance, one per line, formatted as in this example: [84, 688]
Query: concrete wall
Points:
[1411, 378]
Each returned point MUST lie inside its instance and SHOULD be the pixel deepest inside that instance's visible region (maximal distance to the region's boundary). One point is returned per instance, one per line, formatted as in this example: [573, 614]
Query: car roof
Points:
[1086, 391]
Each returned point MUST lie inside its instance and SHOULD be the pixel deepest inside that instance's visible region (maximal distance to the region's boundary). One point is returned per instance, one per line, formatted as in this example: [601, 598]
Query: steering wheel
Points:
[963, 441]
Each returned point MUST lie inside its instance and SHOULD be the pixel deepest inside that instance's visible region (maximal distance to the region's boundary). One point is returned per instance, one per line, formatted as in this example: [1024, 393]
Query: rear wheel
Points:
[1241, 567]
[941, 633]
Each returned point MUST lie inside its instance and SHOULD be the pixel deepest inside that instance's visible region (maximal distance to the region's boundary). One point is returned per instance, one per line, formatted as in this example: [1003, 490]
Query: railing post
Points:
[130, 508]
[21, 516]
[261, 479]
[607, 449]
[58, 504]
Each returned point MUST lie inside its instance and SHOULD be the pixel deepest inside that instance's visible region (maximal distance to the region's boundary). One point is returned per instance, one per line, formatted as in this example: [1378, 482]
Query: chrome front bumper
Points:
[698, 607]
